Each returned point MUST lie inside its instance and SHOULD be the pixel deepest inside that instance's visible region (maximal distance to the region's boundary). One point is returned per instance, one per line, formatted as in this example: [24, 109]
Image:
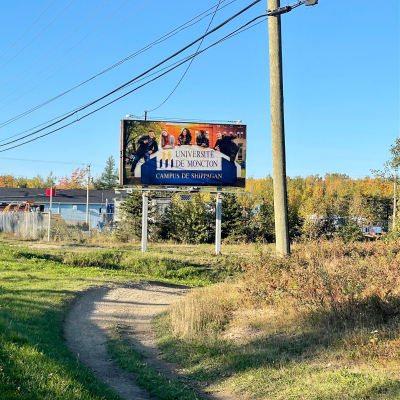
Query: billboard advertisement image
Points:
[182, 153]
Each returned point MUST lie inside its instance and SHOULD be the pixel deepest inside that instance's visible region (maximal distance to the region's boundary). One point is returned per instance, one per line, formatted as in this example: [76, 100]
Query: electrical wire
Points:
[36, 35]
[34, 22]
[138, 52]
[76, 44]
[234, 33]
[187, 69]
[62, 41]
[50, 162]
[157, 65]
[70, 113]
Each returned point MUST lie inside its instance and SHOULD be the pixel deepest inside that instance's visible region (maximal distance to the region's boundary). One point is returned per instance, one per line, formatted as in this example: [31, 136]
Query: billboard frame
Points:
[229, 170]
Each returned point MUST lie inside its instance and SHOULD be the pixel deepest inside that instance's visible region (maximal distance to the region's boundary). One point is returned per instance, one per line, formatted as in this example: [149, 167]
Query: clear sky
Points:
[341, 80]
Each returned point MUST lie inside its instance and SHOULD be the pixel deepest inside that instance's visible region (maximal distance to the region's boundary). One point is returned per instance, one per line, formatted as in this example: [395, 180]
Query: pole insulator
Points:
[279, 11]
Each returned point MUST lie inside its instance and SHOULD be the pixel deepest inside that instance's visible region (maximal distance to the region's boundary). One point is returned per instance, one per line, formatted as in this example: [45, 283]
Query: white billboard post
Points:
[218, 215]
[145, 208]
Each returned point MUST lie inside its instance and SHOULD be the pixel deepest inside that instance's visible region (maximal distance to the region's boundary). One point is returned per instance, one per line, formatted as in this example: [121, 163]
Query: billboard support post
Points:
[218, 214]
[145, 206]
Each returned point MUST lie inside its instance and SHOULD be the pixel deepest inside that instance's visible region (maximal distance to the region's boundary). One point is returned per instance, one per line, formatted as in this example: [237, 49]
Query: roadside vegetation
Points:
[322, 324]
[37, 285]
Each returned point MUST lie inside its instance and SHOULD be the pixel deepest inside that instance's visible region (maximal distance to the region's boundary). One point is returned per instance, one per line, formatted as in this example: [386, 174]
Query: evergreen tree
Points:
[109, 178]
[188, 221]
[232, 223]
[130, 226]
[50, 181]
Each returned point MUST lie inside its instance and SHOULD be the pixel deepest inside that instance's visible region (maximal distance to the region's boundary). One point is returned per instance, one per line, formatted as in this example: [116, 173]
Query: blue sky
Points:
[341, 80]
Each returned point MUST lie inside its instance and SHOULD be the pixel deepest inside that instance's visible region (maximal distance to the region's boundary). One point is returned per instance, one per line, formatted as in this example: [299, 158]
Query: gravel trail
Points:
[131, 307]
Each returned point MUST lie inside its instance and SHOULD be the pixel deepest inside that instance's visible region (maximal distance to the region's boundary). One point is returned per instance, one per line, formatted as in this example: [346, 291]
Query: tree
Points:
[188, 221]
[8, 181]
[36, 182]
[77, 180]
[232, 223]
[130, 226]
[50, 181]
[109, 178]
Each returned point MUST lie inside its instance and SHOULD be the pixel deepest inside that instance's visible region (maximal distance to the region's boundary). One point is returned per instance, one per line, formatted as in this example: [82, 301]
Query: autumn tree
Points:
[8, 181]
[77, 180]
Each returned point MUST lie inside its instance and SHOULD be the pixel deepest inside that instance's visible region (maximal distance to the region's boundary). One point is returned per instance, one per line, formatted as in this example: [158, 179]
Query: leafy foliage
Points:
[77, 180]
[188, 221]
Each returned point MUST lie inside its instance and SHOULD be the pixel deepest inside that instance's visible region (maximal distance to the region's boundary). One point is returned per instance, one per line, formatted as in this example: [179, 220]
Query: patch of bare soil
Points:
[132, 307]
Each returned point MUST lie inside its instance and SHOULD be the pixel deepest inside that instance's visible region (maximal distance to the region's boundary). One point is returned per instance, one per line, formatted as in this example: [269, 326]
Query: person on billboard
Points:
[220, 144]
[234, 148]
[148, 145]
[226, 145]
[185, 138]
[202, 140]
[167, 140]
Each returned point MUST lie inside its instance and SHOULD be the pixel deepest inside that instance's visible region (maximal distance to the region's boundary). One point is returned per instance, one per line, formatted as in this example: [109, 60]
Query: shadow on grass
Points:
[320, 333]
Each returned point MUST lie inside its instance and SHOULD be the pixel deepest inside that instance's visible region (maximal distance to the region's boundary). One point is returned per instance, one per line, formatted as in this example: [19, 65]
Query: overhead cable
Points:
[37, 35]
[187, 68]
[234, 33]
[62, 41]
[30, 26]
[76, 44]
[76, 110]
[138, 52]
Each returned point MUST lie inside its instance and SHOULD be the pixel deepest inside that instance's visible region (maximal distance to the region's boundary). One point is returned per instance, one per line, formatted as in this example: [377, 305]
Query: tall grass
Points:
[321, 324]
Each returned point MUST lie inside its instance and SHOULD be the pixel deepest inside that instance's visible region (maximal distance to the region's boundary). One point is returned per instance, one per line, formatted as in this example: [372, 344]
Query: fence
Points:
[32, 225]
[25, 224]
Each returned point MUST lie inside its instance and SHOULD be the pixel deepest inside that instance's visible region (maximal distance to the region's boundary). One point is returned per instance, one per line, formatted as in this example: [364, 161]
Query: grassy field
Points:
[323, 324]
[38, 283]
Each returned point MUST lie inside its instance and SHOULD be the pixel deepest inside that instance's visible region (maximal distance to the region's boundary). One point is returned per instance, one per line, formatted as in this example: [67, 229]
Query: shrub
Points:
[327, 275]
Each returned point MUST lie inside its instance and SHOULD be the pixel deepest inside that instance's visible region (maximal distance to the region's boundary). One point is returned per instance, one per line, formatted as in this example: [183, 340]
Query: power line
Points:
[234, 33]
[76, 44]
[34, 22]
[191, 61]
[152, 68]
[138, 52]
[49, 162]
[70, 113]
[80, 26]
[37, 35]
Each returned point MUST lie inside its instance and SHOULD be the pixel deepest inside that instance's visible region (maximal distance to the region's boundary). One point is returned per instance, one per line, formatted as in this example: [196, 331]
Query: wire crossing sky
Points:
[341, 107]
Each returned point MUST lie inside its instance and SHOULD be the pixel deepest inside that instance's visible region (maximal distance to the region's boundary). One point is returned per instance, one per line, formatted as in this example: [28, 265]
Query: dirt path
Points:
[132, 307]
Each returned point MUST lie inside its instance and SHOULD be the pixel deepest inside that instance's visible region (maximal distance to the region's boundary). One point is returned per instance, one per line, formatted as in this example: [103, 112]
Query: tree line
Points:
[330, 206]
[108, 179]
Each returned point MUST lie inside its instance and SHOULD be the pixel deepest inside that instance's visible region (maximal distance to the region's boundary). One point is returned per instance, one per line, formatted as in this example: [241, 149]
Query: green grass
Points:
[36, 287]
[35, 363]
[147, 377]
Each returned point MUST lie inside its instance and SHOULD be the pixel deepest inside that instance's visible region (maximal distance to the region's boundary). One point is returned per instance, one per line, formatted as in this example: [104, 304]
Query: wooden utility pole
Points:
[278, 132]
[394, 199]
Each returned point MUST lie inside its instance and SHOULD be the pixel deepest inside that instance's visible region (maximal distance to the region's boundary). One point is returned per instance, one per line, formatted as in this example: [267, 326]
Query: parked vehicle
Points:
[25, 206]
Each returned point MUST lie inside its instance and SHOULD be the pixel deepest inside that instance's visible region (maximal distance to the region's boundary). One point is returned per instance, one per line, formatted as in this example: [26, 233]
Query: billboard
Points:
[182, 153]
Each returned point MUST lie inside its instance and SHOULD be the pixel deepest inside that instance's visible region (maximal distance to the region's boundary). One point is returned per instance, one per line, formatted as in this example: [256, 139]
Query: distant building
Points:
[69, 203]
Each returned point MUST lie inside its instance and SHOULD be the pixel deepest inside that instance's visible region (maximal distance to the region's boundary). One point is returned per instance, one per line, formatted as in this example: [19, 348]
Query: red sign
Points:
[51, 192]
